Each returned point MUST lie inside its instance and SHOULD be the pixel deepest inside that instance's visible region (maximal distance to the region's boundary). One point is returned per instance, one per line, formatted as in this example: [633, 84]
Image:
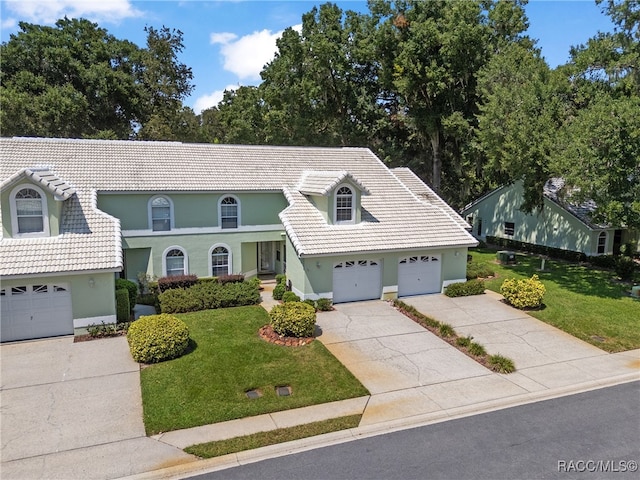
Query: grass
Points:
[228, 358]
[281, 435]
[580, 300]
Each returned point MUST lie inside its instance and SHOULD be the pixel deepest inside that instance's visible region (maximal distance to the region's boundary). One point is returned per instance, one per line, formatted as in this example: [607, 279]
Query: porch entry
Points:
[266, 257]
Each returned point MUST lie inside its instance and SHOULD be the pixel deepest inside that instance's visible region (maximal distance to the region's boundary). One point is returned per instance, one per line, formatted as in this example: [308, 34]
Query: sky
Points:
[227, 42]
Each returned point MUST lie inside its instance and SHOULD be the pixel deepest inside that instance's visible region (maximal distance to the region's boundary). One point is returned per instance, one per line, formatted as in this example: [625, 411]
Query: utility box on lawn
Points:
[506, 257]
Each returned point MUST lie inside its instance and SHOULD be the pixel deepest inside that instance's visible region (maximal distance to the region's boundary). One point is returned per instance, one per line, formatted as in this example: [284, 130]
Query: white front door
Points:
[355, 280]
[418, 275]
[35, 311]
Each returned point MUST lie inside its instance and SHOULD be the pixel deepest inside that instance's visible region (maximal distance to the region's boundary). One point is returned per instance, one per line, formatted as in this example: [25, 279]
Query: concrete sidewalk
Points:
[415, 378]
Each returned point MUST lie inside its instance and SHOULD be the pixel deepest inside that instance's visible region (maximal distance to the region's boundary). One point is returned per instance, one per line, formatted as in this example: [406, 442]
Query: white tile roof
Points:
[323, 182]
[393, 218]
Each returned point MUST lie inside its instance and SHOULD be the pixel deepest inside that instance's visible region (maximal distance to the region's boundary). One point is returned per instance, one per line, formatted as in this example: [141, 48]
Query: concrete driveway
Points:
[74, 410]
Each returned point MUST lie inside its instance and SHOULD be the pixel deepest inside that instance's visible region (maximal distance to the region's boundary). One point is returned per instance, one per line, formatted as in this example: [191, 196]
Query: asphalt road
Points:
[593, 435]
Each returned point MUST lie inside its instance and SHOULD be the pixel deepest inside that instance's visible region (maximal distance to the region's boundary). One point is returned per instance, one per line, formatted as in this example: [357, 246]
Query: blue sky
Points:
[228, 42]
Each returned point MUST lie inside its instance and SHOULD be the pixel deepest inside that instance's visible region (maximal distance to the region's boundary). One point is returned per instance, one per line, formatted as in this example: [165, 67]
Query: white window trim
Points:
[230, 259]
[164, 259]
[353, 205]
[150, 213]
[605, 236]
[222, 197]
[14, 212]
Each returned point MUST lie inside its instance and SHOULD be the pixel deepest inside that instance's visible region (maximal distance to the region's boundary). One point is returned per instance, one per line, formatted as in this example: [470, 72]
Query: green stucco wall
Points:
[249, 261]
[193, 210]
[552, 227]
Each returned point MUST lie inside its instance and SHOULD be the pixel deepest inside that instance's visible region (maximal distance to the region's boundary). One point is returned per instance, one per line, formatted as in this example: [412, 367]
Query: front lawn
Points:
[589, 304]
[208, 384]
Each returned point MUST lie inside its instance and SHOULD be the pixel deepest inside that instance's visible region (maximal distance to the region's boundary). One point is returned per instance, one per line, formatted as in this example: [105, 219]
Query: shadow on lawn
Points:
[570, 276]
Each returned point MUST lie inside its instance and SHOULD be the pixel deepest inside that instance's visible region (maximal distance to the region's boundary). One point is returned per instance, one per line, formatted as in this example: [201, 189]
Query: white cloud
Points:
[211, 100]
[48, 11]
[246, 56]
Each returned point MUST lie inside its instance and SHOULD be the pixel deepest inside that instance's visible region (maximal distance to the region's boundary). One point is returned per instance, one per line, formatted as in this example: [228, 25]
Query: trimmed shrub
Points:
[501, 364]
[281, 278]
[293, 319]
[123, 309]
[308, 301]
[279, 290]
[464, 289]
[207, 279]
[177, 300]
[176, 281]
[324, 304]
[235, 278]
[131, 288]
[209, 295]
[509, 243]
[156, 338]
[290, 297]
[603, 261]
[479, 270]
[625, 267]
[526, 293]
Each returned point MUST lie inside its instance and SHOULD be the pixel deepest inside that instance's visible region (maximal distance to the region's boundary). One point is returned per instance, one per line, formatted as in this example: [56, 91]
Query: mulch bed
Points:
[87, 338]
[267, 334]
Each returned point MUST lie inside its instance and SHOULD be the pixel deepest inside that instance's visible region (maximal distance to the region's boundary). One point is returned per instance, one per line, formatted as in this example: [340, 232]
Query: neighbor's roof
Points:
[393, 218]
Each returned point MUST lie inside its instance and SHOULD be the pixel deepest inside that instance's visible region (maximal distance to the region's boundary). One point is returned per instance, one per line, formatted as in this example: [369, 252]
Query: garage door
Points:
[35, 311]
[357, 280]
[419, 275]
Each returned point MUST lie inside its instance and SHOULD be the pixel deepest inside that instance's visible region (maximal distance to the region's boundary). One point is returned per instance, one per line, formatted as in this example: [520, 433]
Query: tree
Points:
[73, 80]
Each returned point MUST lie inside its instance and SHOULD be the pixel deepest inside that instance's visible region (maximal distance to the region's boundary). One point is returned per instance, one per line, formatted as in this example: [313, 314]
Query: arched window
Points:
[220, 264]
[174, 261]
[29, 215]
[344, 205]
[602, 242]
[229, 210]
[160, 213]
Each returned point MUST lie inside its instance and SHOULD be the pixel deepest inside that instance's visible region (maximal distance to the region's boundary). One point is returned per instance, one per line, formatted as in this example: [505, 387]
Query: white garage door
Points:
[357, 280]
[419, 275]
[35, 311]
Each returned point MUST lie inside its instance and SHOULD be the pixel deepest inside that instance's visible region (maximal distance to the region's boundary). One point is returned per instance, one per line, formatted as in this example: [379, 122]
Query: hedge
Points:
[176, 281]
[464, 289]
[131, 288]
[123, 308]
[538, 249]
[209, 295]
[156, 338]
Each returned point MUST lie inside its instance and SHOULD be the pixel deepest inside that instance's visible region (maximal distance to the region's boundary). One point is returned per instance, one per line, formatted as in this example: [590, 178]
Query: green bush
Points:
[278, 291]
[464, 289]
[625, 267]
[293, 319]
[526, 293]
[176, 281]
[446, 330]
[603, 261]
[123, 310]
[290, 297]
[501, 364]
[479, 270]
[463, 341]
[156, 338]
[308, 301]
[324, 304]
[107, 329]
[281, 278]
[509, 243]
[131, 288]
[235, 278]
[209, 295]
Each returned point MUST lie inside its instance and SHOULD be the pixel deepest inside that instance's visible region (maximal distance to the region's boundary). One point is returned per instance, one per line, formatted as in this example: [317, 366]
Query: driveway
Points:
[74, 410]
[410, 371]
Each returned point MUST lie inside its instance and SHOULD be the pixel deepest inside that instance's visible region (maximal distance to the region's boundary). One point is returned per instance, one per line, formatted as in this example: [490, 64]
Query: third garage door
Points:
[355, 280]
[419, 275]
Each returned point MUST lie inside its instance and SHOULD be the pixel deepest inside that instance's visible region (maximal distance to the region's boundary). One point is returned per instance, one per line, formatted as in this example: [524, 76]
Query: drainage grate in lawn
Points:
[283, 390]
[597, 338]
[255, 393]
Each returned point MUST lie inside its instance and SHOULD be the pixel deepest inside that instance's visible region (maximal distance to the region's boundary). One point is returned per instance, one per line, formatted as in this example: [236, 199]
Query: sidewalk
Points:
[416, 379]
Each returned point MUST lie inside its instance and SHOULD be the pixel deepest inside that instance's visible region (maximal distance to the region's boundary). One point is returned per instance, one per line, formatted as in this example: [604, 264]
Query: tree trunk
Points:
[437, 161]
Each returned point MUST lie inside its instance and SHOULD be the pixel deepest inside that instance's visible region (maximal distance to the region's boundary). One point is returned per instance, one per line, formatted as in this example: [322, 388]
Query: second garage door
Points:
[35, 311]
[357, 280]
[419, 275]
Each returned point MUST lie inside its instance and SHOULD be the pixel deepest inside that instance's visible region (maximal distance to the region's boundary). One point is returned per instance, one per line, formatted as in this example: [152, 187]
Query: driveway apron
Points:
[74, 410]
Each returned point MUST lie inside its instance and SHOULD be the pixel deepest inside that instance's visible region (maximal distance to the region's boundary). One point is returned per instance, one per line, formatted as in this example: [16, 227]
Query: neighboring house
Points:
[560, 224]
[77, 213]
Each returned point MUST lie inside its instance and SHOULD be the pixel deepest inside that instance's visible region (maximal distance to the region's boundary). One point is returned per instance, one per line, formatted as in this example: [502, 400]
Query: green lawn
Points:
[581, 301]
[208, 384]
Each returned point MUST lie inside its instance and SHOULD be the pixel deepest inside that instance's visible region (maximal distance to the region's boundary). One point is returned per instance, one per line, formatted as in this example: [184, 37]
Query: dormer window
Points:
[29, 215]
[345, 205]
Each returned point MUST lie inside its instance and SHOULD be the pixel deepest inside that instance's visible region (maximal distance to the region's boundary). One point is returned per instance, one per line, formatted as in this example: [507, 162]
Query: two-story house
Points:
[77, 213]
